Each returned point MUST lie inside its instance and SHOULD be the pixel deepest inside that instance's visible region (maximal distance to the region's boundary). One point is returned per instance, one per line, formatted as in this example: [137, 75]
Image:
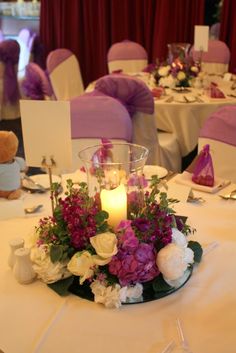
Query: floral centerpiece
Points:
[178, 73]
[144, 257]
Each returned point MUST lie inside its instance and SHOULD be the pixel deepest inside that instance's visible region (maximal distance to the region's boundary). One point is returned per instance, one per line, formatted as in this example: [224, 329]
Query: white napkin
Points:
[11, 209]
[186, 179]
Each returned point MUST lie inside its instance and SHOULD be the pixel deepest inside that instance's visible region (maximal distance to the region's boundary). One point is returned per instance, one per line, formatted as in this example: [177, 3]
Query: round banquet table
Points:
[34, 319]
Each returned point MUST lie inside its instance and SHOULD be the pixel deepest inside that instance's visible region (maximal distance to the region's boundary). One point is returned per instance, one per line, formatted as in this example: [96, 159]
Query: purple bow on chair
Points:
[131, 92]
[36, 84]
[9, 55]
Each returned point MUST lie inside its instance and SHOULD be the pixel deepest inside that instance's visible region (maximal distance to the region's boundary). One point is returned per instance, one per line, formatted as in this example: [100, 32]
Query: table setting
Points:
[193, 294]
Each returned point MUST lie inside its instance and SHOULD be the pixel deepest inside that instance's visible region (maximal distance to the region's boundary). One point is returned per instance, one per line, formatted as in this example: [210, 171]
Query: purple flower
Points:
[142, 224]
[135, 266]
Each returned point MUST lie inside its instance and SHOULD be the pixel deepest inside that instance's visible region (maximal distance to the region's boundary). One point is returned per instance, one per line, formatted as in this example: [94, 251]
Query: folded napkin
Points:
[215, 92]
[186, 179]
[158, 92]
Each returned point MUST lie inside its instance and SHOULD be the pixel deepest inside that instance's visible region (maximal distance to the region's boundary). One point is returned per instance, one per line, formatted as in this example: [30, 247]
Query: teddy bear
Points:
[10, 166]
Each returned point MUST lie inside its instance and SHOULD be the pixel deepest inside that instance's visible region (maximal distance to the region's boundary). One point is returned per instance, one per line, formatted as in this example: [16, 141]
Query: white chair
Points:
[64, 72]
[127, 56]
[215, 60]
[95, 116]
[219, 131]
[137, 98]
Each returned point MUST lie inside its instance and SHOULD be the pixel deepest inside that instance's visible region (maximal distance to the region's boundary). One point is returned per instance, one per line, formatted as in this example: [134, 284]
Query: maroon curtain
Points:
[90, 27]
[228, 30]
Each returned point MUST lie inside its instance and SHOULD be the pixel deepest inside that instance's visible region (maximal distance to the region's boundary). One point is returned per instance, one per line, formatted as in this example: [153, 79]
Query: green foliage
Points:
[62, 287]
[197, 249]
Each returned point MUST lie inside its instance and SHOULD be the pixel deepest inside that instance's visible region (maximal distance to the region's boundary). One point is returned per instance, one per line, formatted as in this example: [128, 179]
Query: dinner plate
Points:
[150, 170]
[42, 179]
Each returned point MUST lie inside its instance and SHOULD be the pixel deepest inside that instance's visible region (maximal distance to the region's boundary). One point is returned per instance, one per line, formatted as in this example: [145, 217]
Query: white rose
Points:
[179, 238]
[194, 69]
[109, 296]
[105, 244]
[82, 264]
[181, 76]
[164, 70]
[171, 261]
[46, 270]
[168, 81]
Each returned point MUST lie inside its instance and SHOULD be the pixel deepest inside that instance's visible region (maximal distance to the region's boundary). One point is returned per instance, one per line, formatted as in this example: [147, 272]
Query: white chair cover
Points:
[219, 131]
[127, 56]
[215, 60]
[64, 72]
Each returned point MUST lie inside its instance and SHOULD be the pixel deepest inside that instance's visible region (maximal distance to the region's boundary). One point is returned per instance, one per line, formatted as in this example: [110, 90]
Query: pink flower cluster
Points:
[80, 220]
[135, 261]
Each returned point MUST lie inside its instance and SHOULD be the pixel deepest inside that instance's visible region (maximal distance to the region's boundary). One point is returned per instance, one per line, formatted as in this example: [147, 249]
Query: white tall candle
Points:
[115, 203]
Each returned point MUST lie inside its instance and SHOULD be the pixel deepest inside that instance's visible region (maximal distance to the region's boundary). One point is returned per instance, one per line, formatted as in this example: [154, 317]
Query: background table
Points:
[35, 319]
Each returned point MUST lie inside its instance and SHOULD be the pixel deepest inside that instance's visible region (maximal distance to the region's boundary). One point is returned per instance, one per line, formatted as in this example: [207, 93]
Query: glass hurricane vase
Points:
[115, 174]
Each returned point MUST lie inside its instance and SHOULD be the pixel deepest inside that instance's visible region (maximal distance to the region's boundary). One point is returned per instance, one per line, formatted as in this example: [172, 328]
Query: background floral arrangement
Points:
[179, 73]
[77, 251]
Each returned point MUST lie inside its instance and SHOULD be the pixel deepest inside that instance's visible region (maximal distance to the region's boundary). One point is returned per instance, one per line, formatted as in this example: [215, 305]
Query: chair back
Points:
[127, 56]
[95, 116]
[216, 59]
[215, 31]
[64, 72]
[138, 99]
[132, 92]
[36, 84]
[9, 91]
[219, 131]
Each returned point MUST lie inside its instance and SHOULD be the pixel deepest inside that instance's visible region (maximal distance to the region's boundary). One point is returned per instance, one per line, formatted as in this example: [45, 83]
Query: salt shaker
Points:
[15, 244]
[23, 269]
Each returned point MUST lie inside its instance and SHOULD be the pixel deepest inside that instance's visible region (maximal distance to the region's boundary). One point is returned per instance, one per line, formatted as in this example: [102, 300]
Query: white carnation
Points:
[46, 270]
[131, 294]
[108, 296]
[179, 238]
[168, 81]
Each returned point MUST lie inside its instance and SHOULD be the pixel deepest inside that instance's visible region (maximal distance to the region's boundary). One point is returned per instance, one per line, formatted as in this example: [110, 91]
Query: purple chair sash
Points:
[126, 50]
[131, 92]
[9, 55]
[36, 84]
[221, 126]
[218, 52]
[56, 57]
[99, 116]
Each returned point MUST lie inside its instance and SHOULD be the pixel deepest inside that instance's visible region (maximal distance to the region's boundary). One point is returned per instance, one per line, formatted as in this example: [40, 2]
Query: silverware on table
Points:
[169, 100]
[230, 196]
[34, 184]
[33, 209]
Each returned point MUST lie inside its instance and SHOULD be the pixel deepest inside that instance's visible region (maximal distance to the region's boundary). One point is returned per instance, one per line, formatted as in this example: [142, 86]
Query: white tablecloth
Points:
[35, 319]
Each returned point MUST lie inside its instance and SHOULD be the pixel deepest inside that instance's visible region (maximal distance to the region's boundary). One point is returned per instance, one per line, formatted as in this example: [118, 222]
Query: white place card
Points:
[11, 209]
[201, 37]
[46, 127]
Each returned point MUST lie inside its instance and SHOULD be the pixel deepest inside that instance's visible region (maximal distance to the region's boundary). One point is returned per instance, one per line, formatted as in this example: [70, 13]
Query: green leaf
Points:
[61, 287]
[101, 216]
[197, 249]
[159, 285]
[56, 252]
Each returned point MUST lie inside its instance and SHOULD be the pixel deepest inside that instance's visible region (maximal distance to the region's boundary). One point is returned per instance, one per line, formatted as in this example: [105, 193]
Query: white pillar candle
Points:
[115, 203]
